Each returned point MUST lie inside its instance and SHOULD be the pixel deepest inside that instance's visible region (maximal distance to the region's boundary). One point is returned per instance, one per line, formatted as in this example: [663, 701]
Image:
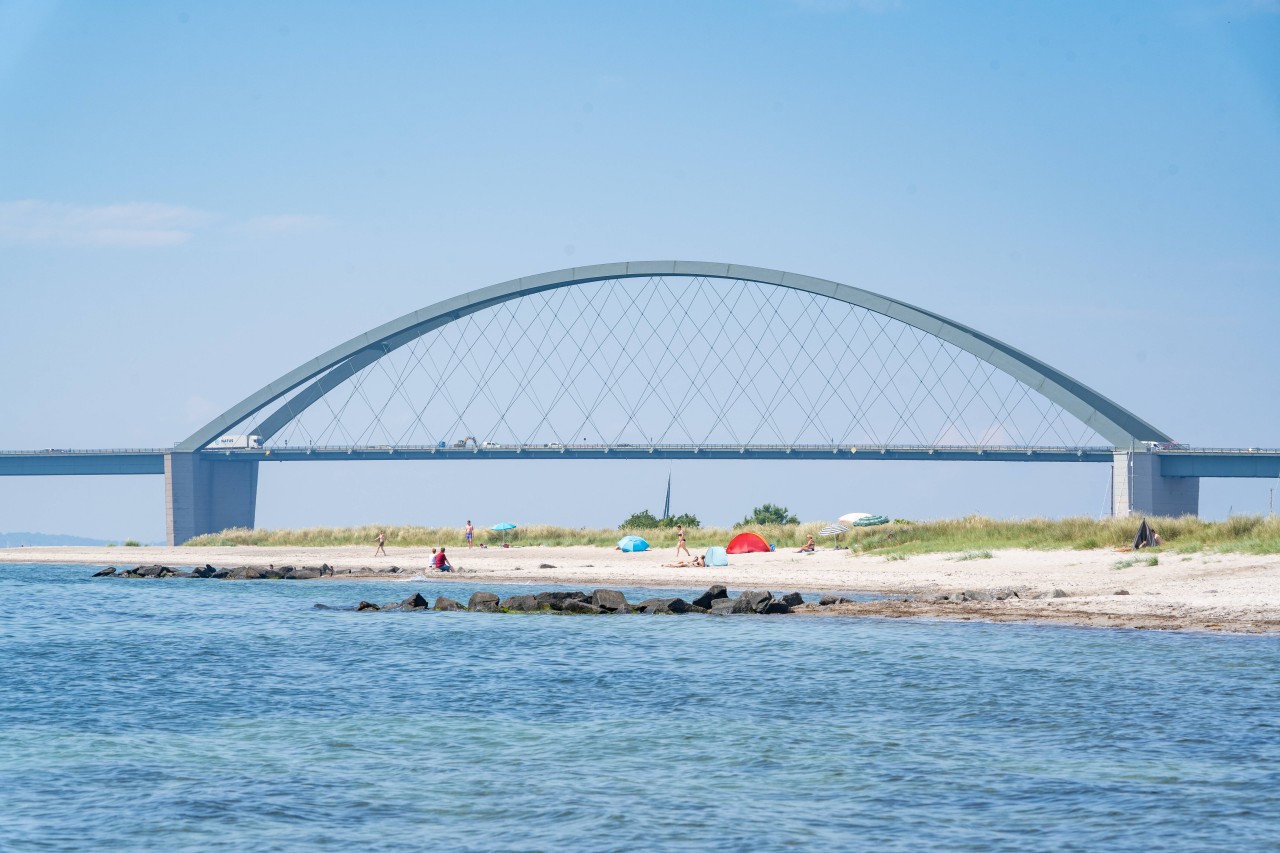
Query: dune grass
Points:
[973, 535]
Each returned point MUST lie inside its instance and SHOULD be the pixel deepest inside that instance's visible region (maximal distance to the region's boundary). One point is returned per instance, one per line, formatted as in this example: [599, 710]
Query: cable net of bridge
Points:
[681, 361]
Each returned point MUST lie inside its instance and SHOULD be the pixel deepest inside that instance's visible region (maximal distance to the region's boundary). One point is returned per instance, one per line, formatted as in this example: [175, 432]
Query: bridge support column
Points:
[1138, 487]
[204, 497]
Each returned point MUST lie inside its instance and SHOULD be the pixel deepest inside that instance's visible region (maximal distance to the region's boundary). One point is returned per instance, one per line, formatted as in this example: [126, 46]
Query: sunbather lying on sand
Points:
[696, 562]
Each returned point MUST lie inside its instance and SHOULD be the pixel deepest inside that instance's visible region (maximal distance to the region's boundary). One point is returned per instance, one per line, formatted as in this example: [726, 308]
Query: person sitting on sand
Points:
[809, 546]
[441, 562]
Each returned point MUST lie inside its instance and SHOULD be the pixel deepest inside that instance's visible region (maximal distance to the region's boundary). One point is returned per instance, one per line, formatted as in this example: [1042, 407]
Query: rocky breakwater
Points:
[290, 573]
[716, 600]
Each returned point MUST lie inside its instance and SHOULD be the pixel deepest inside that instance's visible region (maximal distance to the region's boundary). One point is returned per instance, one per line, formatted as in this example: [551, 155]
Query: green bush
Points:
[644, 520]
[132, 543]
[768, 514]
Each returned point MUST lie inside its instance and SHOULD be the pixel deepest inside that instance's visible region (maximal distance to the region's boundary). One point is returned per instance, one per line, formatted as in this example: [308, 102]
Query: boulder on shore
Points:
[483, 602]
[793, 599]
[573, 605]
[713, 593]
[556, 600]
[662, 606]
[521, 604]
[443, 603]
[611, 600]
[723, 606]
[752, 601]
[829, 599]
[415, 602]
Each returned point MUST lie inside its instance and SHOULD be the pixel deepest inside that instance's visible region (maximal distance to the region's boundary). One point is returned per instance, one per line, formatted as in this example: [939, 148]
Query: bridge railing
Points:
[486, 446]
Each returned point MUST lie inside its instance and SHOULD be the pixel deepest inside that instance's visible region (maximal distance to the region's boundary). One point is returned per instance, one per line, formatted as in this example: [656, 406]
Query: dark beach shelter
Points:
[1144, 538]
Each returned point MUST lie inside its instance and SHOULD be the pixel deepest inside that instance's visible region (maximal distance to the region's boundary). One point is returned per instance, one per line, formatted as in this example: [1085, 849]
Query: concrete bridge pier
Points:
[204, 497]
[1138, 487]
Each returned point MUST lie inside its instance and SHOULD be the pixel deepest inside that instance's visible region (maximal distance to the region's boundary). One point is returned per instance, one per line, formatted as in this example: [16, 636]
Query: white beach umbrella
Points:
[851, 517]
[833, 530]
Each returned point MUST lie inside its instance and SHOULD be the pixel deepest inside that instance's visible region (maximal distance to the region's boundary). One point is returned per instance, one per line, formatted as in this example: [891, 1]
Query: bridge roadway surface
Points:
[1181, 462]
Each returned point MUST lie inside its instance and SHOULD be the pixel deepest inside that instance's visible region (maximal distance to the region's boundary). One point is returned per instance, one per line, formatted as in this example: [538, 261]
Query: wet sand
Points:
[1218, 592]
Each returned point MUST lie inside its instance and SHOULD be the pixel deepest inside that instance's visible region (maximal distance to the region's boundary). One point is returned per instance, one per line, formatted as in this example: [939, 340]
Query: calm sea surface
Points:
[205, 715]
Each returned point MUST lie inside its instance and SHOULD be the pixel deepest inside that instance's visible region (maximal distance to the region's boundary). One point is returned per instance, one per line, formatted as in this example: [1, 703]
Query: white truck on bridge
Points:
[236, 441]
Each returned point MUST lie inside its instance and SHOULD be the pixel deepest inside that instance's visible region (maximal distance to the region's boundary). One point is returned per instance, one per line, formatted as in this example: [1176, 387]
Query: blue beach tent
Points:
[633, 543]
[716, 556]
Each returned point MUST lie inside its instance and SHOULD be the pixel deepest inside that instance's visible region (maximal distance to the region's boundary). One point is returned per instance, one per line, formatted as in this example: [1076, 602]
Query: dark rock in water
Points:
[150, 571]
[829, 599]
[713, 593]
[663, 606]
[610, 599]
[415, 602]
[554, 600]
[521, 604]
[793, 599]
[573, 605]
[220, 574]
[1121, 592]
[178, 573]
[723, 606]
[752, 601]
[325, 569]
[367, 605]
[977, 595]
[303, 574]
[443, 603]
[319, 606]
[545, 566]
[483, 602]
[777, 605]
[205, 571]
[105, 573]
[693, 608]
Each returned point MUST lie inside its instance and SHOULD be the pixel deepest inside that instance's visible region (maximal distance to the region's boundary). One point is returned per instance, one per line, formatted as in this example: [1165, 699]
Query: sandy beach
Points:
[1219, 592]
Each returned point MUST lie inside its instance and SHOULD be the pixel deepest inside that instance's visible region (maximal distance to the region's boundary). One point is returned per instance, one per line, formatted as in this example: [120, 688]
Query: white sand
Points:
[1228, 591]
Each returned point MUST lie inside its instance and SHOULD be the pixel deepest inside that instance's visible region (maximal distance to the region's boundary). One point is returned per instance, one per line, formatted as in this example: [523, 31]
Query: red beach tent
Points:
[747, 543]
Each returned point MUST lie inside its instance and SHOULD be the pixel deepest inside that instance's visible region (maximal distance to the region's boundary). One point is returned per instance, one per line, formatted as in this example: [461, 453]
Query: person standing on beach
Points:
[470, 531]
[381, 540]
[680, 546]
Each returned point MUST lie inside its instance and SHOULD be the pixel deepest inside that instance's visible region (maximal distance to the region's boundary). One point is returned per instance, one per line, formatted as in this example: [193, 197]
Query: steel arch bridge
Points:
[663, 359]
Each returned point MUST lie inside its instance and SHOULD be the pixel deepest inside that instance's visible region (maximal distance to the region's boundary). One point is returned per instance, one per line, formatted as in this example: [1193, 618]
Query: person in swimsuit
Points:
[680, 546]
[470, 531]
[809, 546]
[381, 540]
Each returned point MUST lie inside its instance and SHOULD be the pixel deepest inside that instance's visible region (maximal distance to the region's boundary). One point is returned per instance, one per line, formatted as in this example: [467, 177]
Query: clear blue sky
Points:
[196, 197]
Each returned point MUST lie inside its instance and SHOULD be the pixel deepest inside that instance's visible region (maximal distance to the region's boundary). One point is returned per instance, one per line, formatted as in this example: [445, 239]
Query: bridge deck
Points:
[1182, 462]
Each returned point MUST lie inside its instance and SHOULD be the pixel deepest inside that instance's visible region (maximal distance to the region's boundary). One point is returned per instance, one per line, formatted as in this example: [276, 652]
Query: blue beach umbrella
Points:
[504, 526]
[633, 543]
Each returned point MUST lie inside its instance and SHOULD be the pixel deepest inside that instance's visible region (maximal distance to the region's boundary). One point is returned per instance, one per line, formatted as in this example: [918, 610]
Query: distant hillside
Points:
[14, 540]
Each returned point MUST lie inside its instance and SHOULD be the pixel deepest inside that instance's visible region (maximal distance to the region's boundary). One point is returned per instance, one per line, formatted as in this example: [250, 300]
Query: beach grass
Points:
[973, 535]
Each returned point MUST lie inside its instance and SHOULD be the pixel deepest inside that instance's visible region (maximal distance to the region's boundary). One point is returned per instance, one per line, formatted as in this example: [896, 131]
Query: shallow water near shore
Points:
[202, 715]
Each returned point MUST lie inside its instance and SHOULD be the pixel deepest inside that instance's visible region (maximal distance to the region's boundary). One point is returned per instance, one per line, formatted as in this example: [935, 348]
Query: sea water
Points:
[185, 714]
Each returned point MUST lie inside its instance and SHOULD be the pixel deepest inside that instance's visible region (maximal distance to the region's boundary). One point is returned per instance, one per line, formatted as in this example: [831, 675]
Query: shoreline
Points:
[1232, 593]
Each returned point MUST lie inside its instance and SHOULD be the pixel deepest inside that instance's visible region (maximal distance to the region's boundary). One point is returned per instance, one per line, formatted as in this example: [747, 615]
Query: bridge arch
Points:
[300, 388]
